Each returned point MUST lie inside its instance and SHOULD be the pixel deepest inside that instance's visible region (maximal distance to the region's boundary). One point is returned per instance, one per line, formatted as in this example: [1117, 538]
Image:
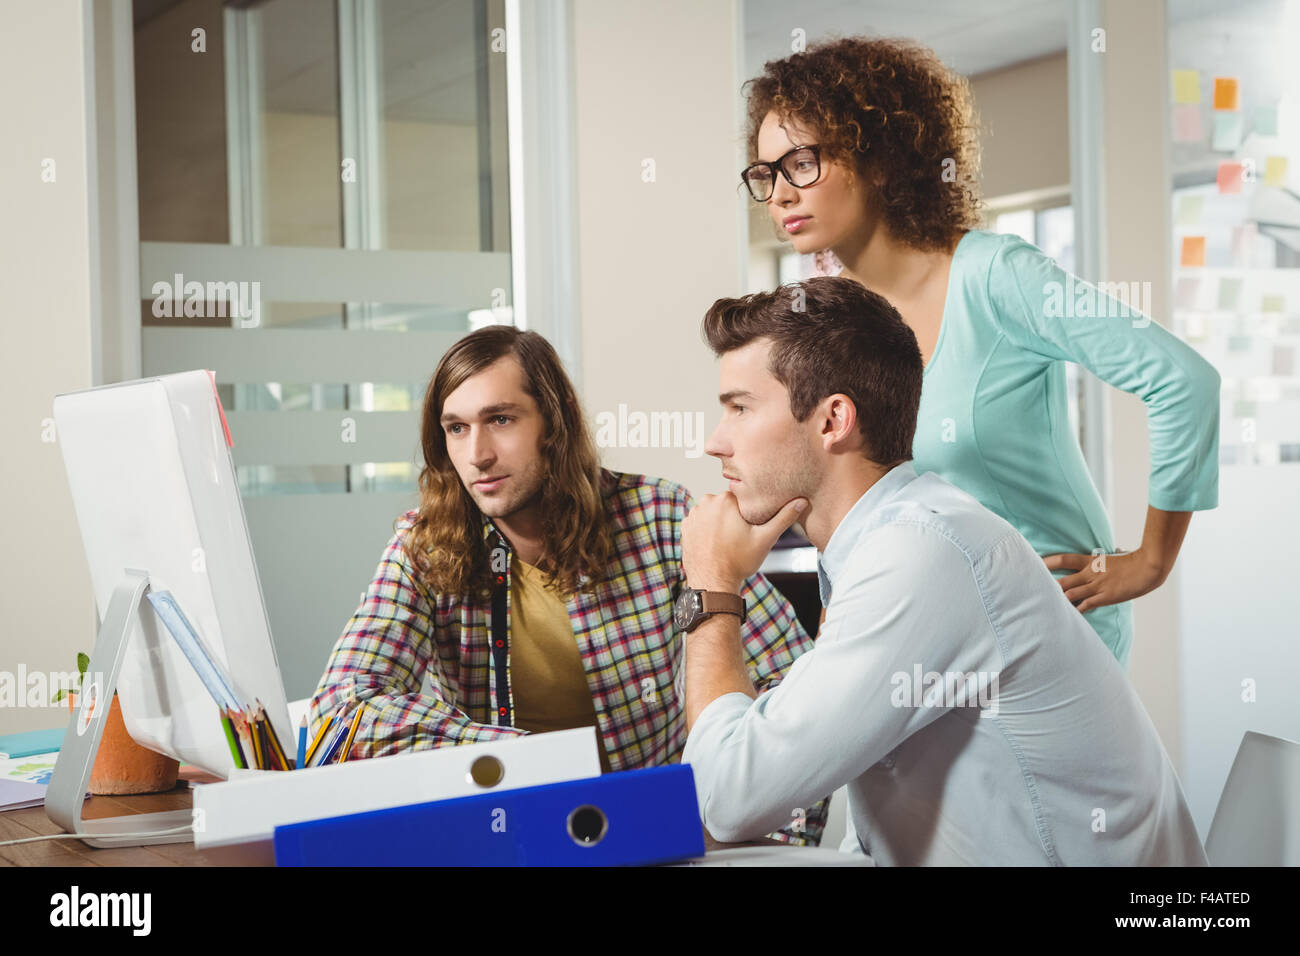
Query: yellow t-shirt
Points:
[546, 673]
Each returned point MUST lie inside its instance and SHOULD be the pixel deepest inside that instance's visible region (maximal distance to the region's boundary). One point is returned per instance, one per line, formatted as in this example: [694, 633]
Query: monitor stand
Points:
[67, 788]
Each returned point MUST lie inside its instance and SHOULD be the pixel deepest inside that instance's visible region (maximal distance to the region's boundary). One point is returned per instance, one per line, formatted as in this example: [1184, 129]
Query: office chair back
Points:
[1257, 822]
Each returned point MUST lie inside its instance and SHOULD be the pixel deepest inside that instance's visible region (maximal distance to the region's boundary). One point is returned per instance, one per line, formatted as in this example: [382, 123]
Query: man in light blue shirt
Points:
[970, 709]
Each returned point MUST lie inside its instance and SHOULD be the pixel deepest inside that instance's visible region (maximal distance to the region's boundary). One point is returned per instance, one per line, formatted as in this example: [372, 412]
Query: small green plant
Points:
[83, 662]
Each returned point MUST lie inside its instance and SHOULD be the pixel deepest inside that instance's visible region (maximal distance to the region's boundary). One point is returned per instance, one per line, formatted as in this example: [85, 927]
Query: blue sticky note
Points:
[1266, 120]
[1229, 293]
[1227, 131]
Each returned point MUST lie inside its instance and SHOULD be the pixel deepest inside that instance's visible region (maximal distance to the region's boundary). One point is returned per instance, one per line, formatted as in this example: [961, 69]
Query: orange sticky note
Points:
[1193, 251]
[1230, 177]
[1226, 93]
[1275, 170]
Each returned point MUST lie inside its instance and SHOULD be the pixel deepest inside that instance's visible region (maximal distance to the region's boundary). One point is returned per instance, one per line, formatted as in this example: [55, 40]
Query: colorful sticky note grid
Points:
[1187, 86]
[1193, 253]
[1188, 126]
[1275, 170]
[1189, 210]
[1266, 120]
[1229, 293]
[1226, 94]
[1229, 178]
[1227, 132]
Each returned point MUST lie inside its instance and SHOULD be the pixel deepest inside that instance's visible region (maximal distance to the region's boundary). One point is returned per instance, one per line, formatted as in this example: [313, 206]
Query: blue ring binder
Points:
[632, 817]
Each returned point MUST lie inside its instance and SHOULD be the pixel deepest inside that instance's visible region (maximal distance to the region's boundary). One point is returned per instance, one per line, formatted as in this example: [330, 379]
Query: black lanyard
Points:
[500, 647]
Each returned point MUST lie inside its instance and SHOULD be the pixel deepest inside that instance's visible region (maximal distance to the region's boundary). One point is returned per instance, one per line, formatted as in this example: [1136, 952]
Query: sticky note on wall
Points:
[1193, 253]
[1189, 210]
[1275, 170]
[1229, 177]
[1283, 360]
[1188, 127]
[1226, 95]
[1185, 292]
[1187, 86]
[1229, 293]
[1266, 120]
[1227, 132]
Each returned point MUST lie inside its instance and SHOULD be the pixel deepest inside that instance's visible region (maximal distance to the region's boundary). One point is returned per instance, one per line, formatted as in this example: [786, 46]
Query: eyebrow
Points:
[734, 394]
[782, 153]
[487, 411]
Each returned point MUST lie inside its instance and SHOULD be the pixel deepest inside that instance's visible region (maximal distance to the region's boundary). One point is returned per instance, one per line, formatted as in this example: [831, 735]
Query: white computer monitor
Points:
[154, 487]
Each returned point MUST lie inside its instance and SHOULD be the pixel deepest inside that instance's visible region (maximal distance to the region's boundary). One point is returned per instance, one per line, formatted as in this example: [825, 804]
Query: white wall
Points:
[1024, 127]
[655, 255]
[1240, 650]
[1136, 248]
[45, 342]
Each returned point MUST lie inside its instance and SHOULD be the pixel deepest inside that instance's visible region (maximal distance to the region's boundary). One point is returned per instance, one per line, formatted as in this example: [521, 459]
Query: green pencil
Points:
[230, 738]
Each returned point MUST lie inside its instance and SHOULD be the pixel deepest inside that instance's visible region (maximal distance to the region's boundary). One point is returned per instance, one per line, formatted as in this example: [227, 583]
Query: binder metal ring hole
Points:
[587, 825]
[487, 771]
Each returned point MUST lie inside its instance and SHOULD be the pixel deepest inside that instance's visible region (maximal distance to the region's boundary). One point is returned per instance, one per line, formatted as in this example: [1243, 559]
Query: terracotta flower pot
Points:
[122, 765]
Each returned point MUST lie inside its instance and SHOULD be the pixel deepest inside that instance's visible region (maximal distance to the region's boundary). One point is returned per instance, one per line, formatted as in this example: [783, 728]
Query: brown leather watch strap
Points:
[722, 602]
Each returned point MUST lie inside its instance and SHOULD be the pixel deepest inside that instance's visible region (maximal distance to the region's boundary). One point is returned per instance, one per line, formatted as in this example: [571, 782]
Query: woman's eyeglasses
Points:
[801, 167]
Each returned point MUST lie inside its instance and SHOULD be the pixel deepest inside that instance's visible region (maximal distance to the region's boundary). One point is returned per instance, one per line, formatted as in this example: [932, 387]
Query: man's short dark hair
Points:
[831, 335]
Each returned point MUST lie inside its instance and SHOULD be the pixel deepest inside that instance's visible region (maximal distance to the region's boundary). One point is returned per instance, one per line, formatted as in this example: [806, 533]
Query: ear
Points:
[839, 421]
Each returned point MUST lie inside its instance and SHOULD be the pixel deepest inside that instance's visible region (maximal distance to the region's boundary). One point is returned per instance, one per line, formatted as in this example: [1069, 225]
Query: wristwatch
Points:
[694, 606]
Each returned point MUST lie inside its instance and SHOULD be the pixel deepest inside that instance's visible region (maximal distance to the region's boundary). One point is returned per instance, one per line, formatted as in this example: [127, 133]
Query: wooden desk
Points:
[20, 824]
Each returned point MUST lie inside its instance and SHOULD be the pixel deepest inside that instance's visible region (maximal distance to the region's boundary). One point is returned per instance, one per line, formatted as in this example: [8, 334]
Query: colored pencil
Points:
[356, 722]
[302, 743]
[320, 734]
[245, 739]
[230, 739]
[335, 743]
[273, 739]
[262, 762]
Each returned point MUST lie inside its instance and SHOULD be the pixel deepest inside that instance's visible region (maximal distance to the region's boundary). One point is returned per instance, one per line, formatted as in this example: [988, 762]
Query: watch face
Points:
[685, 608]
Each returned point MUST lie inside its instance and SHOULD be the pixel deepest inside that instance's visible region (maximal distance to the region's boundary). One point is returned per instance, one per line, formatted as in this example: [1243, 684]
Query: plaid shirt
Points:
[630, 649]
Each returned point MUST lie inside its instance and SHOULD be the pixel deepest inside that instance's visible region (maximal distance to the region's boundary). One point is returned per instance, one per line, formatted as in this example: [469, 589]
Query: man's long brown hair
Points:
[446, 540]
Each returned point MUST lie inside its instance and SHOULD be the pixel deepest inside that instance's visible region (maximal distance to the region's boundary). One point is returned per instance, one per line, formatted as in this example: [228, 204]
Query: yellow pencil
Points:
[320, 734]
[258, 750]
[356, 722]
[272, 738]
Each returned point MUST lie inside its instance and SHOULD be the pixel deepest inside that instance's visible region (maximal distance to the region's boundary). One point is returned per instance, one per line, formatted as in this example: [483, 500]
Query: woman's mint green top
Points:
[994, 417]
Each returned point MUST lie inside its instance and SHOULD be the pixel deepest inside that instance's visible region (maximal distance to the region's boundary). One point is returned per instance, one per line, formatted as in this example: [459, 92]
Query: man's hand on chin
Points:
[720, 549]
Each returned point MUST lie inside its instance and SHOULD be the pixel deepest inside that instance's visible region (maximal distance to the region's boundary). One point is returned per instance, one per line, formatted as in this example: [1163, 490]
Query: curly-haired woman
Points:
[868, 148]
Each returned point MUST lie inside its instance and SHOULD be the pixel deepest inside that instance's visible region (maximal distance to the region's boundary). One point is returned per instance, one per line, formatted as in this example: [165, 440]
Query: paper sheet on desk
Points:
[18, 794]
[34, 769]
[24, 780]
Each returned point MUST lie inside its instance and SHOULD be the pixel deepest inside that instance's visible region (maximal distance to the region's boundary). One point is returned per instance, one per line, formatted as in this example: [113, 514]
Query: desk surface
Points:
[20, 824]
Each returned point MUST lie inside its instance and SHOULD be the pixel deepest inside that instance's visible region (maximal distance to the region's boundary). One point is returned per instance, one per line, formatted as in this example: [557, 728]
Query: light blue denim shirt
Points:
[970, 709]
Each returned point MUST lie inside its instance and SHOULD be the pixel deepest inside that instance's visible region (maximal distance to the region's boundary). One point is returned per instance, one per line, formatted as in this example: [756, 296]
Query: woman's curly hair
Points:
[445, 541]
[891, 111]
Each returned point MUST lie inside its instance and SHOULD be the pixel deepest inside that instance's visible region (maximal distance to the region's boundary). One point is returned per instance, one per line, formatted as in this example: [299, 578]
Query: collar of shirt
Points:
[846, 533]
